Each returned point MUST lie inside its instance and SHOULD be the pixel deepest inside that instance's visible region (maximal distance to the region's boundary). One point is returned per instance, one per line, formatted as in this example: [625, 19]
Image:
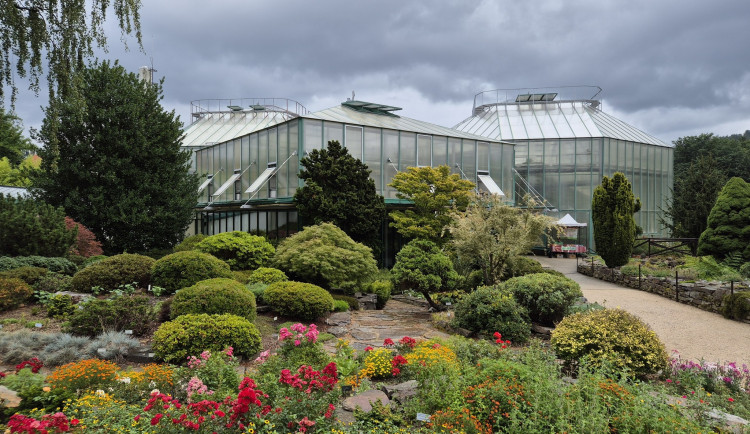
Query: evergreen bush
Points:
[13, 293]
[240, 250]
[215, 296]
[190, 242]
[351, 301]
[521, 266]
[267, 275]
[383, 289]
[736, 306]
[57, 265]
[182, 269]
[422, 266]
[30, 275]
[113, 272]
[325, 255]
[546, 297]
[53, 282]
[60, 306]
[489, 309]
[611, 336]
[188, 335]
[258, 289]
[32, 227]
[302, 301]
[120, 313]
[745, 270]
[728, 223]
[340, 306]
[612, 210]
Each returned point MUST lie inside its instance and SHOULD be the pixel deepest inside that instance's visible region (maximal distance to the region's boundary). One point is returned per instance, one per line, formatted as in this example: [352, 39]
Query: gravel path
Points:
[695, 333]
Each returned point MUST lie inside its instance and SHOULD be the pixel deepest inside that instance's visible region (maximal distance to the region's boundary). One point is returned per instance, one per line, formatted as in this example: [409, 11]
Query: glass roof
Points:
[550, 120]
[213, 128]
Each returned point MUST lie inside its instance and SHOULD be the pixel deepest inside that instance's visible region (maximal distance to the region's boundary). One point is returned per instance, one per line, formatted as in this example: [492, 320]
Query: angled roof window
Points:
[229, 182]
[205, 183]
[490, 184]
[255, 186]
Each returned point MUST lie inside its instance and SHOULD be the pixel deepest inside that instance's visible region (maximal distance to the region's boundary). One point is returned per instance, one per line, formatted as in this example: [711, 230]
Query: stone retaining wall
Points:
[701, 294]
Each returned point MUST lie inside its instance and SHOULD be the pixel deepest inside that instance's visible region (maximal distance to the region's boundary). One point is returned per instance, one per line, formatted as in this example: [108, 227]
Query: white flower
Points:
[125, 380]
[100, 393]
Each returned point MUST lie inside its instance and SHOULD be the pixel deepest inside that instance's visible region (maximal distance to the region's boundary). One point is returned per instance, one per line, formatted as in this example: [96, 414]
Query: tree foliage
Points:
[64, 31]
[693, 196]
[490, 234]
[18, 176]
[732, 154]
[422, 266]
[112, 159]
[13, 145]
[86, 244]
[612, 209]
[728, 228]
[32, 228]
[434, 192]
[338, 189]
[326, 256]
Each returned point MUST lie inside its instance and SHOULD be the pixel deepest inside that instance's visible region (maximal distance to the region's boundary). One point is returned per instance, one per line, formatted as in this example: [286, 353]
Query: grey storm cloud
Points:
[670, 67]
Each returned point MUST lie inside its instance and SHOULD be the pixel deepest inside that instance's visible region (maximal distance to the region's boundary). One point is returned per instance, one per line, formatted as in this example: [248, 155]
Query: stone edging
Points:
[701, 294]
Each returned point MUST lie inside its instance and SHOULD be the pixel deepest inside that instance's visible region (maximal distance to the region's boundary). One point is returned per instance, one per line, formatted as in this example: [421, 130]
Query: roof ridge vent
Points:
[369, 107]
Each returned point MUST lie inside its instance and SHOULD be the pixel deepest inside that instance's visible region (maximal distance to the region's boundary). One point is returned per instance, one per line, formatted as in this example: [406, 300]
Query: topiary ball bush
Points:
[215, 297]
[736, 306]
[240, 250]
[267, 275]
[302, 301]
[30, 275]
[114, 271]
[547, 297]
[610, 335]
[189, 335]
[190, 242]
[489, 309]
[13, 293]
[182, 269]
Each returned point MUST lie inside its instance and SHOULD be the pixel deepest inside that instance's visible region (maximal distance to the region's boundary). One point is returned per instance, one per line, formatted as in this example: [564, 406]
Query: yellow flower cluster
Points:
[83, 375]
[160, 375]
[377, 364]
[429, 353]
[102, 413]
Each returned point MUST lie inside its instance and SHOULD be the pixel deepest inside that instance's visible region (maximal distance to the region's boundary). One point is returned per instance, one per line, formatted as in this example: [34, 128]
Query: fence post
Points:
[639, 276]
[676, 287]
[731, 287]
[649, 247]
[592, 265]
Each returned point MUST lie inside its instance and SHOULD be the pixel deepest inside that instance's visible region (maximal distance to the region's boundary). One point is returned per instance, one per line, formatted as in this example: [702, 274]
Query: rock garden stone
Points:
[365, 400]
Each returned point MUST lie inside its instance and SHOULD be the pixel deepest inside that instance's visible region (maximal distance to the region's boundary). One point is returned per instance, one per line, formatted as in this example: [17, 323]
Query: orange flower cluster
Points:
[84, 375]
[452, 421]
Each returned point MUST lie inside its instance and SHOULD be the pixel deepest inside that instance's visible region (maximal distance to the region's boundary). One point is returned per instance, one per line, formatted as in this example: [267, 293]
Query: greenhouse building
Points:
[248, 154]
[565, 143]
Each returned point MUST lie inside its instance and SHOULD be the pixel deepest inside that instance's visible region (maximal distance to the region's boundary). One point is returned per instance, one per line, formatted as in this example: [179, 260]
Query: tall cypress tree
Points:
[112, 159]
[612, 210]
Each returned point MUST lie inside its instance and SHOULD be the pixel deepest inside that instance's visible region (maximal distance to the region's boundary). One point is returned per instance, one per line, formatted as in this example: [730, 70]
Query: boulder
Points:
[365, 400]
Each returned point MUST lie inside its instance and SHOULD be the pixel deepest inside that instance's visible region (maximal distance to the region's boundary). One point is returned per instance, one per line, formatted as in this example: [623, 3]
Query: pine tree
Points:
[338, 189]
[112, 159]
[33, 228]
[613, 207]
[728, 228]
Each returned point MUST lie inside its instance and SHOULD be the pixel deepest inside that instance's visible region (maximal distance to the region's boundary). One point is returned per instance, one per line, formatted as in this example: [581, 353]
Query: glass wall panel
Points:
[354, 141]
[254, 169]
[469, 159]
[292, 223]
[294, 161]
[496, 168]
[408, 153]
[454, 154]
[552, 172]
[390, 151]
[246, 160]
[372, 156]
[284, 153]
[483, 156]
[508, 176]
[536, 165]
[273, 143]
[424, 150]
[567, 191]
[262, 222]
[263, 160]
[583, 174]
[283, 230]
[313, 134]
[333, 131]
[622, 160]
[439, 151]
[245, 222]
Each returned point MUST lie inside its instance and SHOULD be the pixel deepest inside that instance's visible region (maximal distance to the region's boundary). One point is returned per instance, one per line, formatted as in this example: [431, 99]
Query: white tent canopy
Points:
[569, 222]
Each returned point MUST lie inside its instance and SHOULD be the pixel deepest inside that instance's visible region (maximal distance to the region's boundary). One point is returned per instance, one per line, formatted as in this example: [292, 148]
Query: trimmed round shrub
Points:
[93, 260]
[351, 301]
[383, 289]
[182, 269]
[489, 309]
[326, 256]
[547, 297]
[190, 242]
[521, 266]
[113, 272]
[215, 297]
[242, 276]
[303, 301]
[267, 275]
[58, 265]
[240, 250]
[30, 275]
[613, 336]
[188, 335]
[257, 289]
[128, 312]
[340, 306]
[53, 282]
[60, 306]
[13, 292]
[736, 306]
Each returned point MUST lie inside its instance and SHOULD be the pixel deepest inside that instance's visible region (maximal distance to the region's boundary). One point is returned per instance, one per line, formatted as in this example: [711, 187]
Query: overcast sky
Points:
[669, 67]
